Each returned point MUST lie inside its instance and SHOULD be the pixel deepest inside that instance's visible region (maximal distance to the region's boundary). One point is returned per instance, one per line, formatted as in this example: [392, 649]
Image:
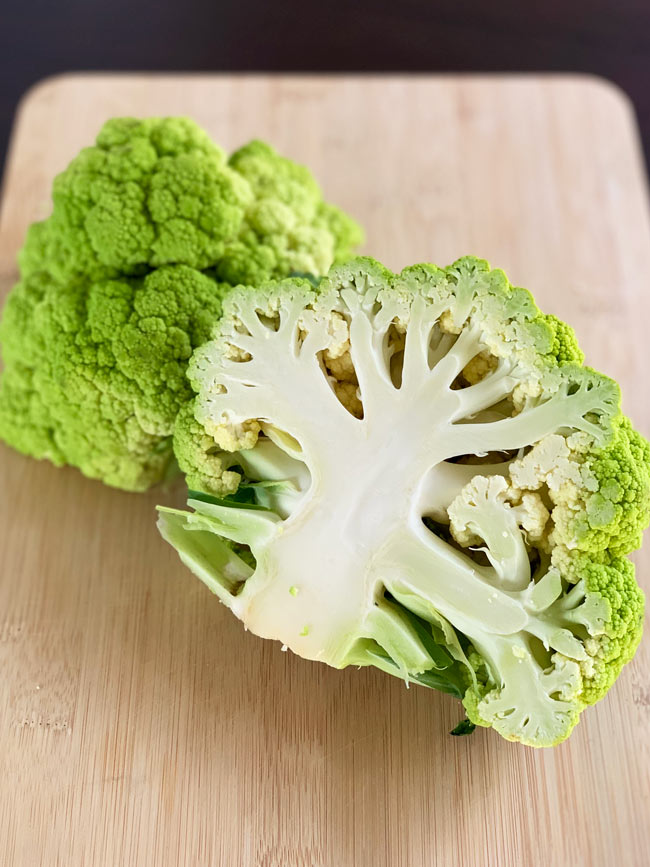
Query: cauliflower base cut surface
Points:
[407, 446]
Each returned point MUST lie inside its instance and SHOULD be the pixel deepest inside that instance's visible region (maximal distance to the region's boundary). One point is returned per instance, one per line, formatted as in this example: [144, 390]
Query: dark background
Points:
[610, 38]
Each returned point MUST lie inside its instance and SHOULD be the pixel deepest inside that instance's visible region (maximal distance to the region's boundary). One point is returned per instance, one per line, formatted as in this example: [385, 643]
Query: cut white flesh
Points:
[346, 533]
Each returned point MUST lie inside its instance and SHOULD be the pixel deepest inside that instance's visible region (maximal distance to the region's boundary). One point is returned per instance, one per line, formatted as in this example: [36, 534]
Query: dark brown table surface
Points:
[39, 38]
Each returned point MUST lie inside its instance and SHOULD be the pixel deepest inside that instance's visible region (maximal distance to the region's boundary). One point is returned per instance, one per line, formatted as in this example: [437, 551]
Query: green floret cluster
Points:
[148, 193]
[564, 344]
[159, 192]
[204, 464]
[609, 583]
[618, 510]
[287, 227]
[150, 227]
[95, 373]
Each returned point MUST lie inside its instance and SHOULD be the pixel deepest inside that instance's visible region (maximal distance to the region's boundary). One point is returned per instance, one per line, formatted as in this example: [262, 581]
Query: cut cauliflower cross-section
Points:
[421, 476]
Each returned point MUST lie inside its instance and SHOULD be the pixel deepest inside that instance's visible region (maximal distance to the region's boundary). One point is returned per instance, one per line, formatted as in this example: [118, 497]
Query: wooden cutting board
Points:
[139, 724]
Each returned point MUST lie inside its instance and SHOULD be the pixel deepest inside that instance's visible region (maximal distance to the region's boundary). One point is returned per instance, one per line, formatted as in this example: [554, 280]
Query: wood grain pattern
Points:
[139, 724]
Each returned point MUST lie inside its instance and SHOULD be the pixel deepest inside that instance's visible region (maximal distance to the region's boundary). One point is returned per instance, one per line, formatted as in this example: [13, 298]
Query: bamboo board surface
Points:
[139, 724]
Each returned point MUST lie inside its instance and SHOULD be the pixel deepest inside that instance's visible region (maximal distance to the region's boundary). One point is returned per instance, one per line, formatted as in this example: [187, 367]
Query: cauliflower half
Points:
[416, 472]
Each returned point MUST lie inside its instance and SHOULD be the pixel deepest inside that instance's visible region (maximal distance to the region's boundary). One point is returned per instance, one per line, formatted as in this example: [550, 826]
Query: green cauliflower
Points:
[95, 372]
[112, 299]
[287, 227]
[159, 192]
[416, 472]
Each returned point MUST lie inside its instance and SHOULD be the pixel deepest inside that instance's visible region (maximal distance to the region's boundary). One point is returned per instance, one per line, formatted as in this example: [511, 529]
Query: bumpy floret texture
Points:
[287, 227]
[424, 478]
[94, 348]
[158, 192]
[204, 463]
[95, 372]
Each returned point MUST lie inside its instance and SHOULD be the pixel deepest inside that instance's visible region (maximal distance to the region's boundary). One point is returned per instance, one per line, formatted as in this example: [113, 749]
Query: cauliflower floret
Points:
[341, 367]
[550, 462]
[158, 191]
[95, 373]
[338, 329]
[234, 437]
[479, 367]
[348, 394]
[532, 515]
[448, 325]
[524, 393]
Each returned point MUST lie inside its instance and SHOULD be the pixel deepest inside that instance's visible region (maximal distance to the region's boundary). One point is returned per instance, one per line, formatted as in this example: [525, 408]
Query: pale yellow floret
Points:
[533, 516]
[587, 667]
[561, 558]
[481, 490]
[338, 330]
[525, 392]
[235, 353]
[528, 508]
[552, 463]
[234, 437]
[479, 367]
[447, 324]
[565, 515]
[341, 368]
[462, 534]
[338, 361]
[556, 463]
[580, 442]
